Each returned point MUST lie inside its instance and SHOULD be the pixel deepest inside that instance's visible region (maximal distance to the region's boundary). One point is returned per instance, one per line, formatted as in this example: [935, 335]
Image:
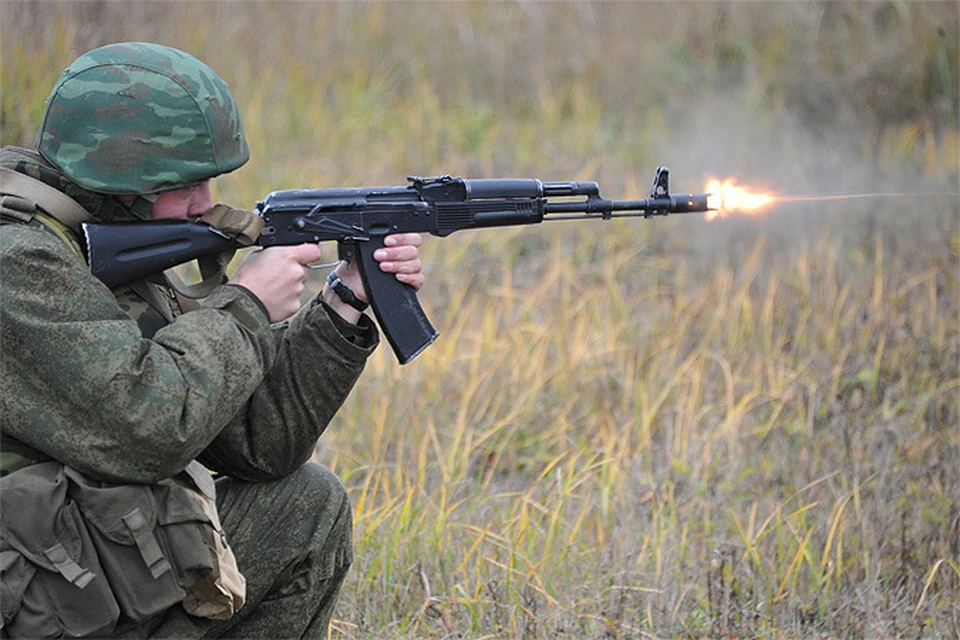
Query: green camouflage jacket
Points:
[82, 382]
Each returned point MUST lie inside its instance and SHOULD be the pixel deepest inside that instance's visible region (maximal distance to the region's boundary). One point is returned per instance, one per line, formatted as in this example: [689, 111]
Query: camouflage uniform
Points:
[100, 381]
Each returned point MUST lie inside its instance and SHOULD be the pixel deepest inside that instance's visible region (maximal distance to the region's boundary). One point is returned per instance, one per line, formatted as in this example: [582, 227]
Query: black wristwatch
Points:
[344, 292]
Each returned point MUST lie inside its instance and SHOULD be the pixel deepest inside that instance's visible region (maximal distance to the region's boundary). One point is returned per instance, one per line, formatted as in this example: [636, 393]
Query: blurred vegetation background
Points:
[677, 428]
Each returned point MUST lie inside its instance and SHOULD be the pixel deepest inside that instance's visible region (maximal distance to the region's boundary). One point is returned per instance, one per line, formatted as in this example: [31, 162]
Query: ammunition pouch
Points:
[80, 557]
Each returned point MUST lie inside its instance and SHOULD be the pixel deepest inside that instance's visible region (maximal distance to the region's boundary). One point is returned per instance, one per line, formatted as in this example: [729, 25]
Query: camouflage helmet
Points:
[140, 118]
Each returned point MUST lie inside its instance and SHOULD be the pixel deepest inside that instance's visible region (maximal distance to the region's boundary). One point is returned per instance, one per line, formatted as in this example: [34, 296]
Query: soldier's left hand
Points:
[399, 256]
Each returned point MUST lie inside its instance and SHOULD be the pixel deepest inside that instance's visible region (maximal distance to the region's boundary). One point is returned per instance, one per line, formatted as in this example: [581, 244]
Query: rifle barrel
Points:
[663, 205]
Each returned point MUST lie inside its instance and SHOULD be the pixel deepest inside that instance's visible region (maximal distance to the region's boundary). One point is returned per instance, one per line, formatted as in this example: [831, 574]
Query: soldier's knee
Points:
[327, 496]
[332, 539]
[322, 485]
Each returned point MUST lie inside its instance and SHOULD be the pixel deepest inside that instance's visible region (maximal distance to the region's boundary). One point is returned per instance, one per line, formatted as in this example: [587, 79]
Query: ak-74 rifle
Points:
[360, 219]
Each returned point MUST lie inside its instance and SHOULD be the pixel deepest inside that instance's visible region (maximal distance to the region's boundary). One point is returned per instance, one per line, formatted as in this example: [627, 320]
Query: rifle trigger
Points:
[325, 265]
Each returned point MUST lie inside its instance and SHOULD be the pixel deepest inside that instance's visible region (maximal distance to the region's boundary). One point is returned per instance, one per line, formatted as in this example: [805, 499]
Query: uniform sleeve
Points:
[315, 368]
[79, 384]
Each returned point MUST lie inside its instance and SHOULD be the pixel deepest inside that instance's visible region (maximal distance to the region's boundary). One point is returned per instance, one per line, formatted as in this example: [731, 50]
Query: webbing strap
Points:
[18, 208]
[68, 567]
[155, 297]
[240, 225]
[147, 543]
[213, 273]
[62, 231]
[54, 202]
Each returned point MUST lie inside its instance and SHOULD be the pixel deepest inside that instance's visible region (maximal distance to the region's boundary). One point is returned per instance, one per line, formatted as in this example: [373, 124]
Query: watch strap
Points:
[345, 293]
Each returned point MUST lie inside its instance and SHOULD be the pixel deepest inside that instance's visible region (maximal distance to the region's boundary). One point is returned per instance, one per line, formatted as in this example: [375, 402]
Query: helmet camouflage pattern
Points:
[140, 118]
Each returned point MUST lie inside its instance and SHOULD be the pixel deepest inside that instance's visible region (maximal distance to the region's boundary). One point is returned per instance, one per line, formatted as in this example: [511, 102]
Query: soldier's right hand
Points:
[277, 276]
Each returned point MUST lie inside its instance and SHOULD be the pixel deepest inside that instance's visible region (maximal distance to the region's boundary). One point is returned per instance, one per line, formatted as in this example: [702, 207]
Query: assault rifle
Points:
[360, 219]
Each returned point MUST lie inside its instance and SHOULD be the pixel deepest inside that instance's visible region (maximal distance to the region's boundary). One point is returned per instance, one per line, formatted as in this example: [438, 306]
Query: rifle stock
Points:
[125, 252]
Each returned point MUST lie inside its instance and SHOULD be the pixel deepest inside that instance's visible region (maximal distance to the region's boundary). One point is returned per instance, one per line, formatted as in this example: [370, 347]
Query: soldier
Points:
[115, 404]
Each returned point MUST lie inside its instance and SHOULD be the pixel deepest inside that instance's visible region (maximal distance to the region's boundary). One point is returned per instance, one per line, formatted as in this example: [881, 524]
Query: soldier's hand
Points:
[277, 275]
[400, 256]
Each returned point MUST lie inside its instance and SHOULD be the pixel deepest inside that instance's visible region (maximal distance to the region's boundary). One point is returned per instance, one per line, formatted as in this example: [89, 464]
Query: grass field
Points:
[742, 428]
